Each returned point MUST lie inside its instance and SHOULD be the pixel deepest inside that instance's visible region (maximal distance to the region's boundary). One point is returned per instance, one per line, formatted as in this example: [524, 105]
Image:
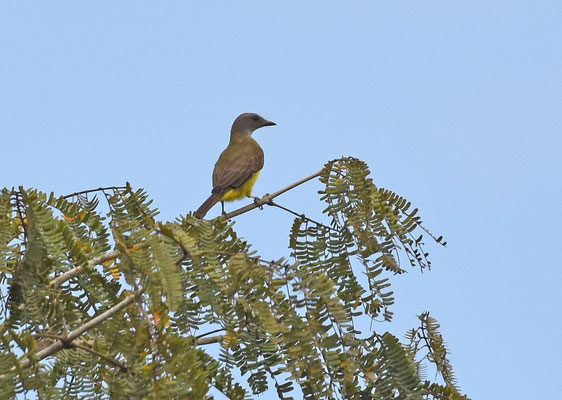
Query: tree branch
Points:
[62, 342]
[59, 280]
[108, 359]
[85, 347]
[209, 333]
[210, 339]
[268, 197]
[304, 217]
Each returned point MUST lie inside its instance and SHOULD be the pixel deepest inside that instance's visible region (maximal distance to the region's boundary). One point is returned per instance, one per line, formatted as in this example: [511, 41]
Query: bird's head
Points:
[249, 122]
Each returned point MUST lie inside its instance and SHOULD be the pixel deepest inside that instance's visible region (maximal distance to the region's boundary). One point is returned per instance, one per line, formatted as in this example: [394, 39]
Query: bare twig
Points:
[100, 189]
[304, 217]
[268, 197]
[209, 333]
[61, 343]
[59, 280]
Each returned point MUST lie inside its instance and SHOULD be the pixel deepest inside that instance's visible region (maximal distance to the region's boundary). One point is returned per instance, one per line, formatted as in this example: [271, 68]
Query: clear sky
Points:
[455, 105]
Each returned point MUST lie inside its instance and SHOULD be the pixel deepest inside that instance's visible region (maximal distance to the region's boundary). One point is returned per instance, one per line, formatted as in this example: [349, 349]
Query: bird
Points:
[239, 165]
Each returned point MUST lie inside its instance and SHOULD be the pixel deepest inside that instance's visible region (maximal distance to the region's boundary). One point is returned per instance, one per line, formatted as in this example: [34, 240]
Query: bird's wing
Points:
[233, 170]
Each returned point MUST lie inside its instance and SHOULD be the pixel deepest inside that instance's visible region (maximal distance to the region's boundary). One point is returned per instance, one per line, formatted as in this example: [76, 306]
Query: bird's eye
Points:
[255, 118]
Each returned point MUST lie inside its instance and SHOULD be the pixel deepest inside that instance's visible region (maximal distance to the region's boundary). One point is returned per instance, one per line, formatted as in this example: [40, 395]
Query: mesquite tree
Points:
[116, 304]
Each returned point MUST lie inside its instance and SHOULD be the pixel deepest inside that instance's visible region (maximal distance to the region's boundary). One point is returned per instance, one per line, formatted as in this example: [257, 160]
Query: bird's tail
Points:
[207, 204]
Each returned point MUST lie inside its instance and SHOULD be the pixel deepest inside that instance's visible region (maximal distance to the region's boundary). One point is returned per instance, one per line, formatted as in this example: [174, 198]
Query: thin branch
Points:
[108, 359]
[59, 280]
[100, 189]
[61, 343]
[268, 197]
[209, 333]
[209, 340]
[304, 217]
[83, 346]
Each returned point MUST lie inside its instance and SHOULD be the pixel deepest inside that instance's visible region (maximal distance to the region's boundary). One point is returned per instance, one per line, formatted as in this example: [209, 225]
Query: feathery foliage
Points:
[117, 304]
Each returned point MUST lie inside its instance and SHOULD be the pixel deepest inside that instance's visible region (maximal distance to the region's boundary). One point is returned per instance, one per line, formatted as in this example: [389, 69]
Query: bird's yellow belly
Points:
[243, 191]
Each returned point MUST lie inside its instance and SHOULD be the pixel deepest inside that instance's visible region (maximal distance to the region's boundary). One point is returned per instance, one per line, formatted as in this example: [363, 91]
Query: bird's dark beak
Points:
[269, 123]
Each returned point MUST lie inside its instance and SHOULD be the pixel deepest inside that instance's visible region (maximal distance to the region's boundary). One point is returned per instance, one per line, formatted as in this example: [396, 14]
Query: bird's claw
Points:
[257, 201]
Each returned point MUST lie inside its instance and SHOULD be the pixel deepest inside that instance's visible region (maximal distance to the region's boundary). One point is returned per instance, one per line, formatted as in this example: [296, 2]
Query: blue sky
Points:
[456, 106]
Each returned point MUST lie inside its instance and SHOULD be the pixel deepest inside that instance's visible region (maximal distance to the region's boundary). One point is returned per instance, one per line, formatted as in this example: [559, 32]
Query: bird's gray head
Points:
[249, 122]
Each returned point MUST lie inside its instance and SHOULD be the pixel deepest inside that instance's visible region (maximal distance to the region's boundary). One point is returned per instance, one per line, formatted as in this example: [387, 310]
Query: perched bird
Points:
[239, 165]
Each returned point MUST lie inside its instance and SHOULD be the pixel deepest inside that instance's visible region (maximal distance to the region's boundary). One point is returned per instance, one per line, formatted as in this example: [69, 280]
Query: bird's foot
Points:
[258, 200]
